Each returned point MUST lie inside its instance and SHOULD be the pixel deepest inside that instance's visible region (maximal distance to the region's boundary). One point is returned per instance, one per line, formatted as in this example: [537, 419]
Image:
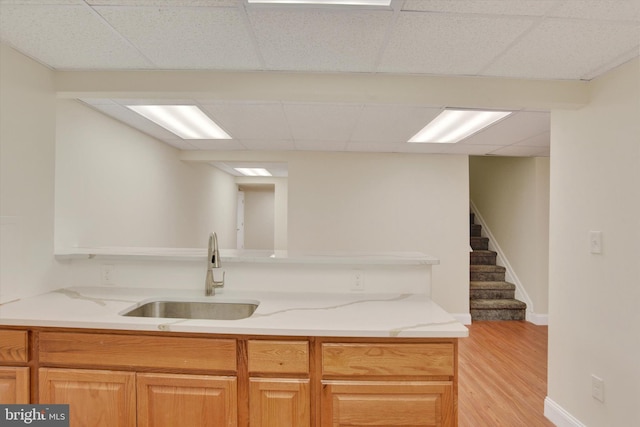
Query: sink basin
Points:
[211, 310]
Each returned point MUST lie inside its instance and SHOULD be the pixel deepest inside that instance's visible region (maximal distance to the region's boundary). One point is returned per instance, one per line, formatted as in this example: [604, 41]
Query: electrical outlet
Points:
[357, 283]
[597, 388]
[595, 242]
[107, 274]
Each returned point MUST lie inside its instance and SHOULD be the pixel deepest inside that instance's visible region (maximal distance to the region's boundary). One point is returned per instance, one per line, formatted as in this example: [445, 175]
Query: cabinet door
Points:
[279, 402]
[170, 400]
[14, 385]
[387, 403]
[96, 398]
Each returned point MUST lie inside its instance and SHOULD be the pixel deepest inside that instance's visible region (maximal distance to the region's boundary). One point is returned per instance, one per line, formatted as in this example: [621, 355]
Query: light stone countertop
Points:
[279, 313]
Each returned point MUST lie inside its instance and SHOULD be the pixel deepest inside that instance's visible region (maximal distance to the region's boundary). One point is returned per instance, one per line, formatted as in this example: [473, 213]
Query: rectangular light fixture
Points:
[453, 125]
[326, 2]
[253, 171]
[186, 121]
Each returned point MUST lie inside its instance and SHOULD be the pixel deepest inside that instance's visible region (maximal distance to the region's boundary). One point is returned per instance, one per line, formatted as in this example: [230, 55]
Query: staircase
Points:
[491, 298]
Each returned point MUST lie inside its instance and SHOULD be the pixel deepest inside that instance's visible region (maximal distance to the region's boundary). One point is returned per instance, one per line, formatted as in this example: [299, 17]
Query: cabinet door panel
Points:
[14, 385]
[387, 403]
[14, 346]
[96, 398]
[279, 402]
[169, 400]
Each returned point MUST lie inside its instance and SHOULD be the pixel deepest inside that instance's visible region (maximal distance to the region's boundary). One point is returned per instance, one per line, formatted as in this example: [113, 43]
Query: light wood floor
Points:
[502, 375]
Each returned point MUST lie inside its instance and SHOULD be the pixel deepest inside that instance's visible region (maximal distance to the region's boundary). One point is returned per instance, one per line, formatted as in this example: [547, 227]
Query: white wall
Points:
[386, 202]
[512, 195]
[259, 210]
[116, 186]
[594, 315]
[27, 132]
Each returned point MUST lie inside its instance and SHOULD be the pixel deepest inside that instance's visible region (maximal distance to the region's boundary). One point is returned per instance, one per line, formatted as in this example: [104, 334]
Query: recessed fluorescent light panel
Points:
[253, 171]
[452, 125]
[186, 121]
[327, 2]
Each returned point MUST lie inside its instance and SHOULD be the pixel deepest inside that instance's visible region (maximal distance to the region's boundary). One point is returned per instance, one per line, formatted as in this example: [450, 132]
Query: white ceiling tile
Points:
[268, 145]
[514, 128]
[320, 146]
[134, 120]
[498, 7]
[321, 122]
[374, 147]
[391, 123]
[67, 37]
[518, 151]
[319, 39]
[165, 3]
[540, 140]
[180, 144]
[251, 120]
[448, 44]
[42, 2]
[217, 144]
[624, 10]
[566, 49]
[186, 38]
[472, 150]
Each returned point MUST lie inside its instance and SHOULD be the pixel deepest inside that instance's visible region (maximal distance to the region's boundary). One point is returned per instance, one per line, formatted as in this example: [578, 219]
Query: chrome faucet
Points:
[213, 261]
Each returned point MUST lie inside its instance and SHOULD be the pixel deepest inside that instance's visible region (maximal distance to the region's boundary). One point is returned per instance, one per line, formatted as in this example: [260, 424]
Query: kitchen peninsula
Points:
[303, 358]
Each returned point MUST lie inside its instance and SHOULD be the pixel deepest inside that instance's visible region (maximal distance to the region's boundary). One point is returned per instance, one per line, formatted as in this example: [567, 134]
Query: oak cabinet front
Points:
[279, 384]
[96, 398]
[14, 385]
[387, 403]
[169, 400]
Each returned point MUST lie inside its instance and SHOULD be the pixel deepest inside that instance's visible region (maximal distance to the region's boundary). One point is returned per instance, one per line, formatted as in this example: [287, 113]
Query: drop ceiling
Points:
[511, 39]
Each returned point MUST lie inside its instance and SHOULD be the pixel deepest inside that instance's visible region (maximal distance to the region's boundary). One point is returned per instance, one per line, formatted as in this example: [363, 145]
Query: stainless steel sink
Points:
[212, 310]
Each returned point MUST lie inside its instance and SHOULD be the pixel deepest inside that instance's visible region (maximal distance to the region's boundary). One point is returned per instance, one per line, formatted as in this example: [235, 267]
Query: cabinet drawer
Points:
[278, 357]
[14, 346]
[387, 359]
[113, 350]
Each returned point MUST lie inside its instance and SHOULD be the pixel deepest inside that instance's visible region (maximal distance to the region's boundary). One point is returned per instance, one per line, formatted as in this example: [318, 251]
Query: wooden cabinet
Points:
[14, 385]
[96, 398]
[14, 375]
[279, 402]
[279, 385]
[155, 379]
[169, 400]
[387, 403]
[388, 384]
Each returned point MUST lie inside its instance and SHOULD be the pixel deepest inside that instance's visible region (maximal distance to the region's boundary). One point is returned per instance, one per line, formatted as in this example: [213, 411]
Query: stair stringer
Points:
[501, 260]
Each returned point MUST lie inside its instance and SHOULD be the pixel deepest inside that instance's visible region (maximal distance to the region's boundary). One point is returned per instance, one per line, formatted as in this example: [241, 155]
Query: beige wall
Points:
[594, 315]
[512, 195]
[116, 186]
[259, 209]
[386, 202]
[27, 132]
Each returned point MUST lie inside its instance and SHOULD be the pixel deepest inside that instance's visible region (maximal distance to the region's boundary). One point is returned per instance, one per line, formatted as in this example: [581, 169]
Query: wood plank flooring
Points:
[502, 375]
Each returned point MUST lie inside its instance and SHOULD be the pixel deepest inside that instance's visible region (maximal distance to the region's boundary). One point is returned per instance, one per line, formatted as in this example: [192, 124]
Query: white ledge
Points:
[248, 256]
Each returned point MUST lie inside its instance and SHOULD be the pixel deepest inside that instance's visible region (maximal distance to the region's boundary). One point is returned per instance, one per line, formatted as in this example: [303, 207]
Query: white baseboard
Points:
[464, 318]
[557, 415]
[537, 318]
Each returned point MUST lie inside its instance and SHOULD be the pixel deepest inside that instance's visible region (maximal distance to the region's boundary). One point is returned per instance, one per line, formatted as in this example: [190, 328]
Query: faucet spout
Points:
[213, 261]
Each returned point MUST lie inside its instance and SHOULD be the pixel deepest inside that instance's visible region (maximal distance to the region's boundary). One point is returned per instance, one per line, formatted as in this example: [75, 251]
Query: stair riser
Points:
[491, 294]
[482, 259]
[484, 276]
[507, 314]
[480, 243]
[476, 230]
